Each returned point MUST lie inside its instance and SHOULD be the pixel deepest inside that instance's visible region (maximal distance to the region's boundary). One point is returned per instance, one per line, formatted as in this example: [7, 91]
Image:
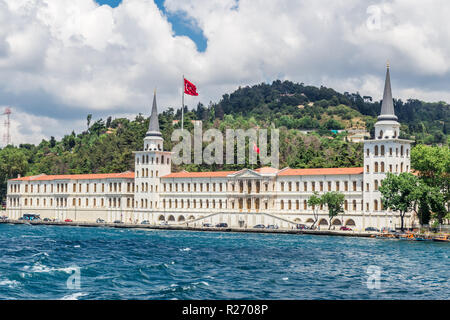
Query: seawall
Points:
[186, 228]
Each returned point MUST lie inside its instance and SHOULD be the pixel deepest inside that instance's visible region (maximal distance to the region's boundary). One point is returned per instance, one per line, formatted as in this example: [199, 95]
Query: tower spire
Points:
[153, 128]
[387, 106]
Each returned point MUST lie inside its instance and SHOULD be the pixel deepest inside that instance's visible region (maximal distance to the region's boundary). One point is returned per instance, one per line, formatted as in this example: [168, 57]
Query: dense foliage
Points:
[107, 145]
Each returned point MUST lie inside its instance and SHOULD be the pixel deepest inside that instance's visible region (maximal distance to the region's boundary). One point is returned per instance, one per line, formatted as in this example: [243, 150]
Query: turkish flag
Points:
[255, 148]
[190, 88]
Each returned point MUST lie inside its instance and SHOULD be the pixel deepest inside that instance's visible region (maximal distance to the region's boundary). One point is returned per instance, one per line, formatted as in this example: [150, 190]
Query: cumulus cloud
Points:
[63, 59]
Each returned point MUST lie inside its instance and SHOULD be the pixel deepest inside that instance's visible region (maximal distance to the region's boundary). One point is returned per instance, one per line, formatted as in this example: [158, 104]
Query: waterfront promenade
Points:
[188, 228]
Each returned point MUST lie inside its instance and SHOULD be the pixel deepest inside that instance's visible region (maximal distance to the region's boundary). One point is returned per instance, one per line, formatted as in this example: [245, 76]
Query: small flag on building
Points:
[255, 148]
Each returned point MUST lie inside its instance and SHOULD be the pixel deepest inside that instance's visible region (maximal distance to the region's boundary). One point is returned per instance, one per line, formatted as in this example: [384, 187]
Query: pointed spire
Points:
[153, 128]
[387, 106]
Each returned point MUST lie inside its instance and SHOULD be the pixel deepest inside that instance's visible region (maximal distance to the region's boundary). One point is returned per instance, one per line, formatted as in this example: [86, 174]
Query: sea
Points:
[76, 263]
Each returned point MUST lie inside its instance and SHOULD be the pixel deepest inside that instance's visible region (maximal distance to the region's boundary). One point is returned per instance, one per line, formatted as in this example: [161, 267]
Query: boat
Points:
[442, 238]
[422, 237]
[409, 236]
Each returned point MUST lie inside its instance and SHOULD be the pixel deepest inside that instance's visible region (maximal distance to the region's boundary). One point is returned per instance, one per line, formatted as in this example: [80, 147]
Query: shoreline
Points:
[357, 234]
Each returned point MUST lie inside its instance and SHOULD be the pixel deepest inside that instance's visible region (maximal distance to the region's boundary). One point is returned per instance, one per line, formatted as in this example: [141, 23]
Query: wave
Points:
[74, 296]
[41, 268]
[9, 283]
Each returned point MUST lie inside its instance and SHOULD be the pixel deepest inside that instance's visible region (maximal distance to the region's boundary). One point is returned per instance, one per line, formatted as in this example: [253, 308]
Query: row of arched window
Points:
[380, 151]
[145, 159]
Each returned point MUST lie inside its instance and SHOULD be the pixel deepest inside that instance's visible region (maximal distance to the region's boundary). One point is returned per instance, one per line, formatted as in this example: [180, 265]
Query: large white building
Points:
[239, 198]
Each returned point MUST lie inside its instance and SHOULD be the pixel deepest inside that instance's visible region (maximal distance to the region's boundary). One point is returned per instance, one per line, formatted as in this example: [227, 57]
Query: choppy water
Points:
[36, 261]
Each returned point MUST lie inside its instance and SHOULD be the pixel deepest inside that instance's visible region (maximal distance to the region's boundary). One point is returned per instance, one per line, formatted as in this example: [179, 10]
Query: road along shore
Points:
[187, 228]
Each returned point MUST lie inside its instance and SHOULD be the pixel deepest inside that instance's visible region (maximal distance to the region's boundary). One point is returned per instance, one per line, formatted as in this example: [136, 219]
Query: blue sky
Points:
[62, 60]
[181, 25]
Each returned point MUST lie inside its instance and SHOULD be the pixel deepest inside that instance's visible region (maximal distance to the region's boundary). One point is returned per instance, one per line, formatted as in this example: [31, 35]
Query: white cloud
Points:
[62, 59]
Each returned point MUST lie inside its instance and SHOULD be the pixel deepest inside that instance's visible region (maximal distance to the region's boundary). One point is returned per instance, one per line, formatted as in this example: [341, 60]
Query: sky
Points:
[63, 59]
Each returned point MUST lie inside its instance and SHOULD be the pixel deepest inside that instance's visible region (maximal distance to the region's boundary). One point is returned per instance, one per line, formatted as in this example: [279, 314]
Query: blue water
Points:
[36, 261]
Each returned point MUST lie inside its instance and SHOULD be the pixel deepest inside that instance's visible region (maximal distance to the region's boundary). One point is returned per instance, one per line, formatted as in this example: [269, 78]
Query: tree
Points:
[400, 193]
[335, 202]
[88, 120]
[433, 166]
[315, 201]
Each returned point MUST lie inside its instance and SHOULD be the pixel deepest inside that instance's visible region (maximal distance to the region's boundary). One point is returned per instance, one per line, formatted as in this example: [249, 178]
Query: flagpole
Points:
[182, 107]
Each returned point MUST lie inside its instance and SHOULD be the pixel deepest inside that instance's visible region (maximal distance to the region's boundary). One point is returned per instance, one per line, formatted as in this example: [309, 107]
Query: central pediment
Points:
[246, 174]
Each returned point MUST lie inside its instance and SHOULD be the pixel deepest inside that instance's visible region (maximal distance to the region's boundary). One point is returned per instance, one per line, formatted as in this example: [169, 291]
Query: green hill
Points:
[293, 108]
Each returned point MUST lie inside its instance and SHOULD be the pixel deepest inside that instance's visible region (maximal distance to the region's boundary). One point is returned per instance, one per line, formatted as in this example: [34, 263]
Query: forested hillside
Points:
[108, 144]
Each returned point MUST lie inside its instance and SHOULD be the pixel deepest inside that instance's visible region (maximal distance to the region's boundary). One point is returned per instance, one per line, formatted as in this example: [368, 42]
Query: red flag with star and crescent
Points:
[190, 88]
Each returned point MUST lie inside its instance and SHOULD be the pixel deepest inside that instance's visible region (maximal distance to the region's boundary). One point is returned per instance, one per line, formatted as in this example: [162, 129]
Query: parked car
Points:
[207, 225]
[272, 226]
[222, 225]
[68, 220]
[31, 217]
[386, 229]
[47, 220]
[163, 223]
[145, 222]
[3, 218]
[100, 220]
[117, 221]
[344, 228]
[372, 229]
[301, 227]
[259, 226]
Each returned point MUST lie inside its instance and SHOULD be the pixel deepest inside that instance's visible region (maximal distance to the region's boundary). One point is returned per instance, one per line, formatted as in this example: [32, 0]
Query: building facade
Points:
[242, 198]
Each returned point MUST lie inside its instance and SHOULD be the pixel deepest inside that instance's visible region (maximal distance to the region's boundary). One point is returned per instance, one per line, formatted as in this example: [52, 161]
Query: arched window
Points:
[376, 150]
[401, 151]
[382, 166]
[382, 150]
[376, 166]
[376, 185]
[381, 135]
[375, 205]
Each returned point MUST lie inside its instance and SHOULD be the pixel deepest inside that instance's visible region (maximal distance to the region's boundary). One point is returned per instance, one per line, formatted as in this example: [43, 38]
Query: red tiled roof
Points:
[266, 170]
[44, 177]
[321, 171]
[211, 174]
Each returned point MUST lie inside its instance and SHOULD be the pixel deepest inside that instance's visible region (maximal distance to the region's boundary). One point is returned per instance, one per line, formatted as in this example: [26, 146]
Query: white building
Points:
[239, 198]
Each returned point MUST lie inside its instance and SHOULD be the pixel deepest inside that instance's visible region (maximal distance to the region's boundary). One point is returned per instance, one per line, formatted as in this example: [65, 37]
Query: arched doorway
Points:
[171, 218]
[336, 222]
[350, 222]
[161, 218]
[323, 222]
[181, 218]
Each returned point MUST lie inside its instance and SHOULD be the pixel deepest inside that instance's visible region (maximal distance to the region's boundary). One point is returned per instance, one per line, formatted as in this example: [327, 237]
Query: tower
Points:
[7, 135]
[150, 164]
[385, 153]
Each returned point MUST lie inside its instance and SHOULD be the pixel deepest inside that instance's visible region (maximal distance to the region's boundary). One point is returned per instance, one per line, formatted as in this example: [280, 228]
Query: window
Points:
[376, 166]
[354, 185]
[376, 150]
[382, 150]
